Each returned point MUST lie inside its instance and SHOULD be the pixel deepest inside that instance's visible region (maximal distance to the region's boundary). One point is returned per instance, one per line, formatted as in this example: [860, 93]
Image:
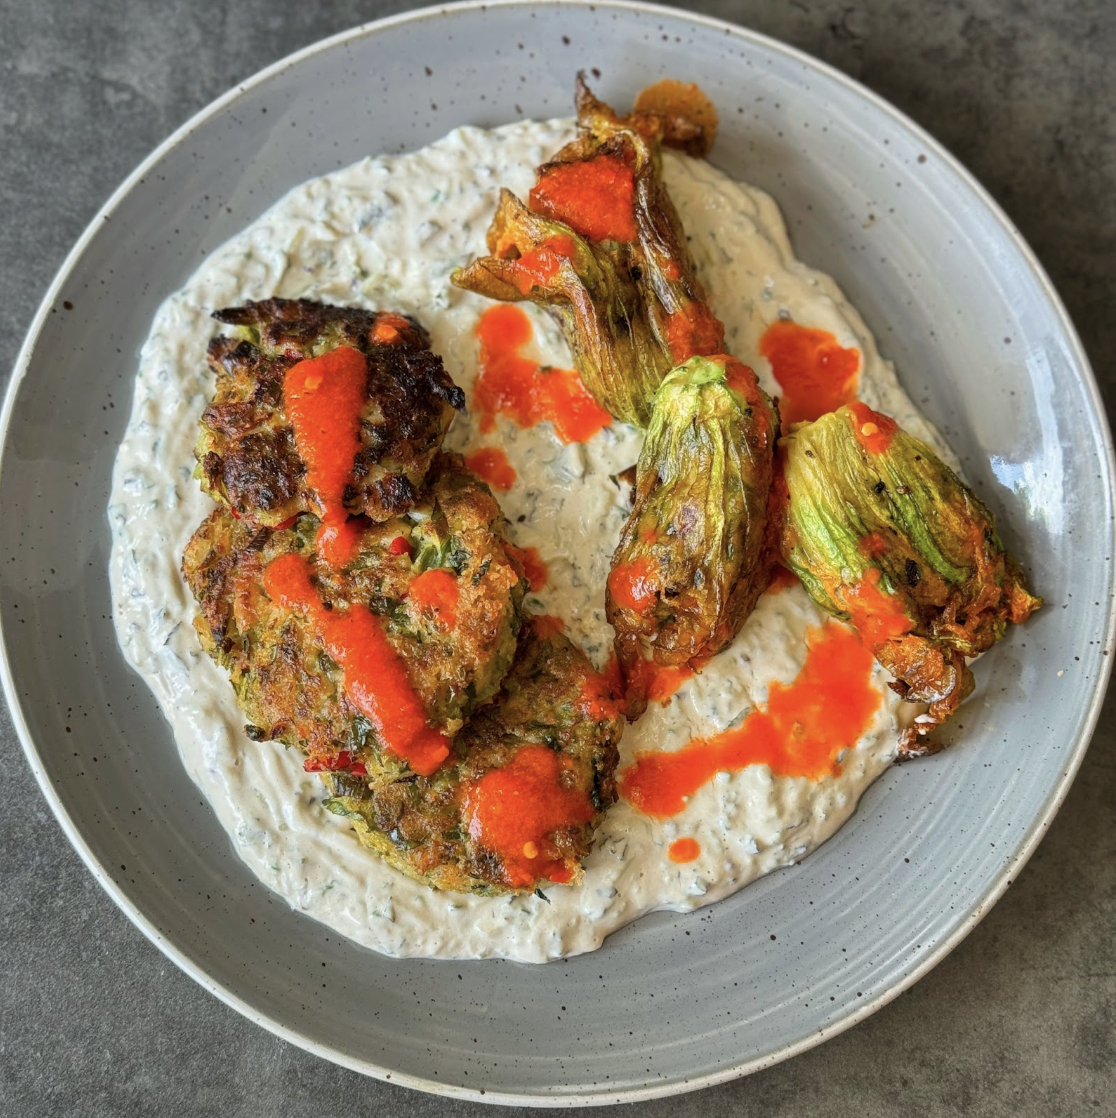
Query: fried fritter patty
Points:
[519, 807]
[247, 457]
[441, 580]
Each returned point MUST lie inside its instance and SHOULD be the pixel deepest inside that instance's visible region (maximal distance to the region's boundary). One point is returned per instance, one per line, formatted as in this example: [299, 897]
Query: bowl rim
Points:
[1032, 836]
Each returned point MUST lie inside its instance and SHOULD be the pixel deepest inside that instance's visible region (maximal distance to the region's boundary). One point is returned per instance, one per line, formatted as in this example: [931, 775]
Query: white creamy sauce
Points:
[386, 233]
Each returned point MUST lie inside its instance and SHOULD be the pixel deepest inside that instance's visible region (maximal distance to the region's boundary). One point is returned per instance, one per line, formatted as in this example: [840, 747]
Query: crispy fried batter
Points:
[691, 561]
[247, 457]
[885, 535]
[552, 699]
[290, 689]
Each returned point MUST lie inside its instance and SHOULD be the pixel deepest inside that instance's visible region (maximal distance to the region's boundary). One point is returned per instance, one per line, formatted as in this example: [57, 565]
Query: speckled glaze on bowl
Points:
[672, 1002]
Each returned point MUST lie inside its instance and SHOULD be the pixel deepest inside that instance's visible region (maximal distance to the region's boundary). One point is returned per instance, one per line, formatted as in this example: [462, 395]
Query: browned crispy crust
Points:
[246, 451]
[289, 690]
[539, 691]
[418, 826]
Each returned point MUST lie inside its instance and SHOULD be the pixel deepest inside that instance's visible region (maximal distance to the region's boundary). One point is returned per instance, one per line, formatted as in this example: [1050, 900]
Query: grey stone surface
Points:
[1020, 1020]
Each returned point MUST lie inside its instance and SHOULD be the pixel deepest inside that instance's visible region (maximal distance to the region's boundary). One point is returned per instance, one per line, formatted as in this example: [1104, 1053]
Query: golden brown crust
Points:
[552, 697]
[289, 689]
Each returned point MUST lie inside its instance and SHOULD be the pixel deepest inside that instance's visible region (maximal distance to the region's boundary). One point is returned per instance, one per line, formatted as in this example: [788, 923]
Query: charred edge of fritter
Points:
[247, 451]
[213, 555]
[264, 471]
[303, 321]
[410, 388]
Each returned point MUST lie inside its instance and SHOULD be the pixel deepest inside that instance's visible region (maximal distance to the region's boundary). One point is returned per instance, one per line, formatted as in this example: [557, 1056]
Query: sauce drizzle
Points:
[491, 465]
[513, 385]
[694, 331]
[594, 197]
[533, 564]
[806, 725]
[515, 810]
[323, 397]
[781, 578]
[375, 676]
[873, 430]
[634, 585]
[817, 374]
[877, 615]
[435, 592]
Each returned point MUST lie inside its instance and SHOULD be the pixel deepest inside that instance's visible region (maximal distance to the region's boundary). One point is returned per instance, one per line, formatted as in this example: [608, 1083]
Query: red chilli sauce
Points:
[514, 810]
[634, 585]
[435, 592]
[491, 465]
[873, 431]
[540, 266]
[594, 197]
[533, 564]
[878, 616]
[323, 397]
[817, 374]
[684, 850]
[658, 683]
[375, 676]
[806, 725]
[515, 386]
[694, 331]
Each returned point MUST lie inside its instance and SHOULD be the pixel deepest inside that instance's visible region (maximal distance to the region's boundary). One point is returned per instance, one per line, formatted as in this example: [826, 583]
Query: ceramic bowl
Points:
[672, 1002]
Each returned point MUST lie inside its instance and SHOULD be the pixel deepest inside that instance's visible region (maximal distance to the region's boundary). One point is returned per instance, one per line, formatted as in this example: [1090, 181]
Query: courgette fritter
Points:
[246, 450]
[456, 658]
[519, 807]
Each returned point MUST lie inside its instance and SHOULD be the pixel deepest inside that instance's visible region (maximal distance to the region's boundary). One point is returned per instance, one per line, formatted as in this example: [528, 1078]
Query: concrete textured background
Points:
[1020, 1020]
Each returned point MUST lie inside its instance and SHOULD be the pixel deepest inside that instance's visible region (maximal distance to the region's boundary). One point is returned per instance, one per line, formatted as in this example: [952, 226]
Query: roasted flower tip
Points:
[692, 557]
[600, 245]
[884, 535]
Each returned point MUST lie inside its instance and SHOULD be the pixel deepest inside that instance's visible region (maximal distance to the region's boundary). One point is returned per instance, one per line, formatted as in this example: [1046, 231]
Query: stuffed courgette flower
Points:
[600, 245]
[693, 556]
[884, 535]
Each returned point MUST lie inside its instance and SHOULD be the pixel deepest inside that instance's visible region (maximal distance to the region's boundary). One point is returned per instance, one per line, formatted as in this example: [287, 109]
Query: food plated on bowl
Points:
[982, 346]
[459, 543]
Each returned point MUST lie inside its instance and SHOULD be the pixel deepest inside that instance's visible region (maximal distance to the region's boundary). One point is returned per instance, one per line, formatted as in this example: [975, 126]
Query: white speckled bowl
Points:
[672, 1002]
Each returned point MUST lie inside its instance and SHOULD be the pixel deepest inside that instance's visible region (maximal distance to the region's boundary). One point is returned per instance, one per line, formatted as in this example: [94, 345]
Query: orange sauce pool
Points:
[874, 431]
[375, 676]
[594, 197]
[512, 385]
[491, 465]
[598, 697]
[807, 723]
[817, 374]
[534, 566]
[684, 850]
[435, 592]
[781, 579]
[877, 615]
[657, 682]
[540, 266]
[513, 811]
[694, 331]
[323, 397]
[634, 585]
